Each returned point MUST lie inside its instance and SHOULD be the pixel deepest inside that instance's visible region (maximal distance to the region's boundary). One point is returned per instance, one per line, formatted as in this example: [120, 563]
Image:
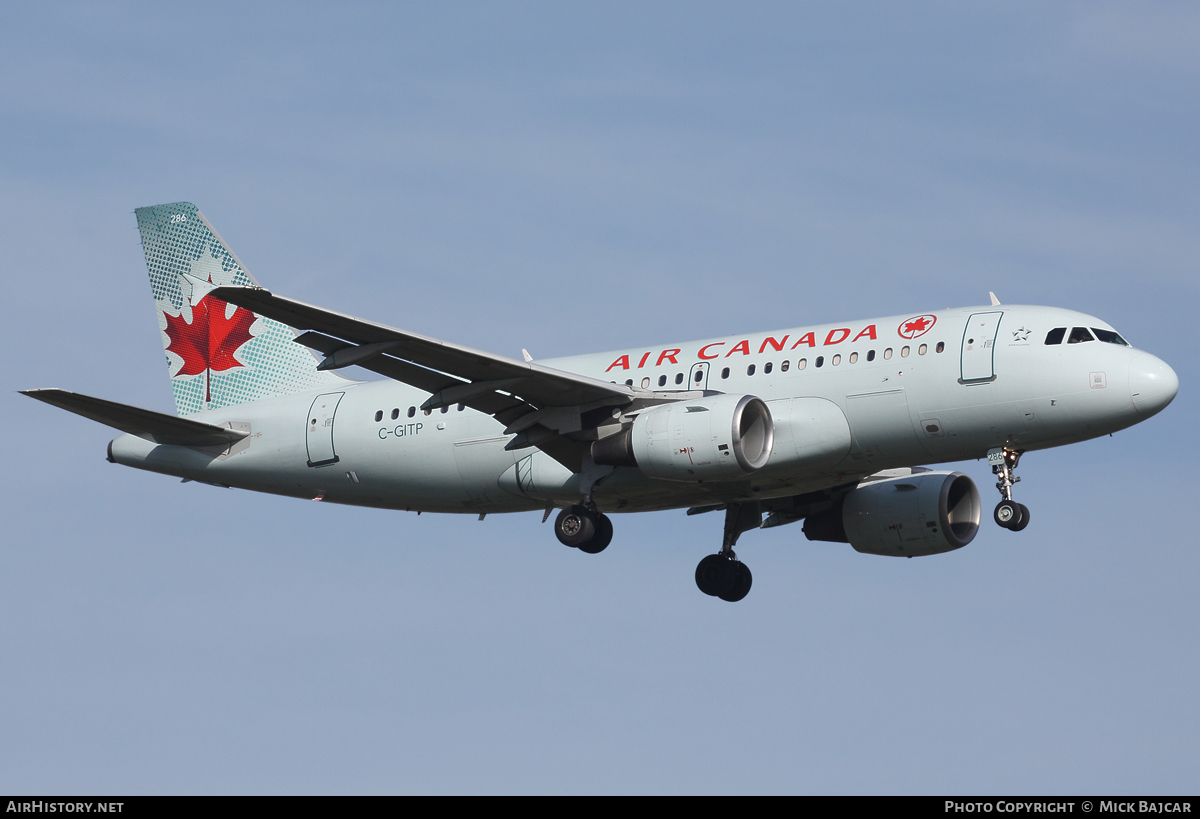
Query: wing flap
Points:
[541, 385]
[156, 427]
[504, 388]
[423, 378]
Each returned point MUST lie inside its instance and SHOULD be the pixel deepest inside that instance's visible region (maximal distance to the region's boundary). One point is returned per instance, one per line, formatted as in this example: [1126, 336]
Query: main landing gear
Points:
[584, 527]
[1009, 514]
[723, 575]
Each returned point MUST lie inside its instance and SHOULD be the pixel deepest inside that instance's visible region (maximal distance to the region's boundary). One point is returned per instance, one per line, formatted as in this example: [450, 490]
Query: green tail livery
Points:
[218, 354]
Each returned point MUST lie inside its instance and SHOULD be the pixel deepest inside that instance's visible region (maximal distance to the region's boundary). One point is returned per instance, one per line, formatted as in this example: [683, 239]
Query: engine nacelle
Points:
[925, 513]
[718, 438]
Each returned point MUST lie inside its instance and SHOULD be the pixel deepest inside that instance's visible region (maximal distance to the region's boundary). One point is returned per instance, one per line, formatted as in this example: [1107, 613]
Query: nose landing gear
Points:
[723, 575]
[1009, 514]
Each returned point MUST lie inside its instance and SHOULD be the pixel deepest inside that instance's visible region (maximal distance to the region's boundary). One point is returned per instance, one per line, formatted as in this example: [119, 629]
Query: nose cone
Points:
[1152, 384]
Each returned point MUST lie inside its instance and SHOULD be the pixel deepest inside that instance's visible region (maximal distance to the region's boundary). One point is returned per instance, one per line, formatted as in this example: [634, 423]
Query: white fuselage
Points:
[995, 382]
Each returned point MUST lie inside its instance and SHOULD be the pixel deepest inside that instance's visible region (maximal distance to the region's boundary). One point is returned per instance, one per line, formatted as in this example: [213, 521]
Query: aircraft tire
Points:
[574, 526]
[742, 580]
[715, 575]
[1024, 519]
[1007, 514]
[603, 536]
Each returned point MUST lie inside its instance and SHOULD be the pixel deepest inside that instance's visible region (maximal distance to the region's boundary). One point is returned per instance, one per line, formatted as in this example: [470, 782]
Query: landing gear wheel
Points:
[603, 536]
[575, 526]
[1010, 515]
[741, 583]
[1024, 519]
[716, 575]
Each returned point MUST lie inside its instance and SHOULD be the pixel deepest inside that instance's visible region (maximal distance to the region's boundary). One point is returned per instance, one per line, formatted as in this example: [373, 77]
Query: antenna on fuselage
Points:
[995, 301]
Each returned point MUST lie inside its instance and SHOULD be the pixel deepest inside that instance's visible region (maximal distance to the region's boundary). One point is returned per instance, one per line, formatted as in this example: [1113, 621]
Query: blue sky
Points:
[568, 179]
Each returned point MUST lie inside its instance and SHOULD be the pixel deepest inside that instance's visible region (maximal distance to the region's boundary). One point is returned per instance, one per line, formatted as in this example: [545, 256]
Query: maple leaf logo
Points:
[210, 341]
[917, 326]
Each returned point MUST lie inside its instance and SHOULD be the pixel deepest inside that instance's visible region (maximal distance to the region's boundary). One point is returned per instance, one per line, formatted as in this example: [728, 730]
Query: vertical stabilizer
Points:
[218, 354]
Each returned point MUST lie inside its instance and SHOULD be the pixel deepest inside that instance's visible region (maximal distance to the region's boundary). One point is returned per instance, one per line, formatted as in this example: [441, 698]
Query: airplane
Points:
[829, 424]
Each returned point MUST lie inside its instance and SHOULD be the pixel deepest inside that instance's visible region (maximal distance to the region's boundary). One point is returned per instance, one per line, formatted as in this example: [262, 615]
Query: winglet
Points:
[525, 353]
[995, 301]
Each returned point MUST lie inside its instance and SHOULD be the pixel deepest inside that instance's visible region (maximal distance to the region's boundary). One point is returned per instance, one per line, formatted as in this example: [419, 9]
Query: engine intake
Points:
[925, 513]
[721, 437]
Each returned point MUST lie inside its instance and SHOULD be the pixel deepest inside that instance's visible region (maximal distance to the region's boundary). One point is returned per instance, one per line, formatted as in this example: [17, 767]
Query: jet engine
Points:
[717, 438]
[924, 513]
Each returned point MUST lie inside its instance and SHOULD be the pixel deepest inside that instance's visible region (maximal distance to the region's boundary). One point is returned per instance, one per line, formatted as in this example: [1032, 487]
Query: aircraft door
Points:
[320, 429]
[698, 377]
[979, 347]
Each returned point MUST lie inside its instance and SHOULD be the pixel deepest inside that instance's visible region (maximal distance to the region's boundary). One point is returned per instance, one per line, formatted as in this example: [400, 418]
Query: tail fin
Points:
[218, 354]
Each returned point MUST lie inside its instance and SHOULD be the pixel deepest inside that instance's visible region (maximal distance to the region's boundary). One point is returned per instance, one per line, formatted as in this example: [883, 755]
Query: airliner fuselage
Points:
[902, 401]
[826, 425]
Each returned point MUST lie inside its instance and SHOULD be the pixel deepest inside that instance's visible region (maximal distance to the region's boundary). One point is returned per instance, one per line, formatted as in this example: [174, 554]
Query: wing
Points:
[542, 406]
[154, 426]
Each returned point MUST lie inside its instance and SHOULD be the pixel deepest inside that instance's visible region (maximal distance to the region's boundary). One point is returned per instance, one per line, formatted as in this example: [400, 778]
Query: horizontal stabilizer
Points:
[156, 427]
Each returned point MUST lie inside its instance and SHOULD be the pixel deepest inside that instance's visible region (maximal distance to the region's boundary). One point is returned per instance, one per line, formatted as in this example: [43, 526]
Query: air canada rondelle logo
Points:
[916, 326]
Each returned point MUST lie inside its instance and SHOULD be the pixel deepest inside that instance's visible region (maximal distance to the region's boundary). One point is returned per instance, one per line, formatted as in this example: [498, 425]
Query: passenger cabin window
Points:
[853, 357]
[750, 370]
[801, 364]
[783, 365]
[724, 373]
[870, 355]
[379, 415]
[629, 382]
[462, 407]
[395, 413]
[887, 353]
[1109, 337]
[924, 348]
[820, 360]
[1055, 336]
[904, 351]
[699, 376]
[837, 359]
[412, 411]
[1079, 335]
[662, 381]
[767, 368]
[941, 347]
[678, 378]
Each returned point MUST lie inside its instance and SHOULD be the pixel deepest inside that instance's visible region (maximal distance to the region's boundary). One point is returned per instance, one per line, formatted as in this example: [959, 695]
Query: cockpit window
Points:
[1109, 337]
[1079, 334]
[1055, 336]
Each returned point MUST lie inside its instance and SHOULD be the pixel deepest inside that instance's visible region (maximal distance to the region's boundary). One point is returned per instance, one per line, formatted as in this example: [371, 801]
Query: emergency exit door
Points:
[979, 347]
[320, 429]
[698, 377]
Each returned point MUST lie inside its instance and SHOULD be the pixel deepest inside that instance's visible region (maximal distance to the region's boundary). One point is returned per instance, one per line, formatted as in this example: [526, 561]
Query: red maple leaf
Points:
[915, 326]
[210, 341]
